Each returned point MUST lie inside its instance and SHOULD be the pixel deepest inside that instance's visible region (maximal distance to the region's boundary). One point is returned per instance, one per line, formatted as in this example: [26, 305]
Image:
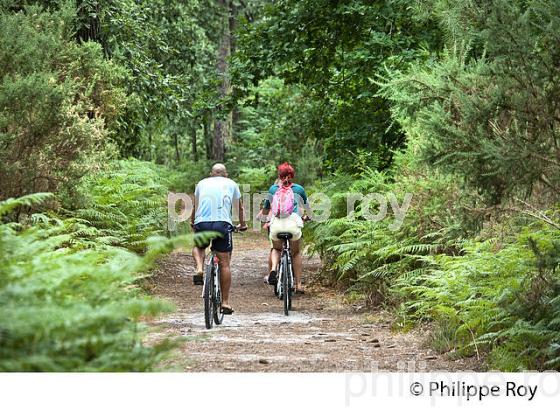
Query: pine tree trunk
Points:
[176, 143]
[221, 130]
[208, 138]
[222, 124]
[193, 140]
[235, 114]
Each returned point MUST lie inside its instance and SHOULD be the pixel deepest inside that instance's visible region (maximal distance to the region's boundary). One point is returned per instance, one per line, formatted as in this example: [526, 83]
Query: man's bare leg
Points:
[198, 255]
[224, 259]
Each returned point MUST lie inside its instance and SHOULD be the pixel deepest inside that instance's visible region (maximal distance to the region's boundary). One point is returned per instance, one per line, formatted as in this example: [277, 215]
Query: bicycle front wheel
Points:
[209, 296]
[218, 315]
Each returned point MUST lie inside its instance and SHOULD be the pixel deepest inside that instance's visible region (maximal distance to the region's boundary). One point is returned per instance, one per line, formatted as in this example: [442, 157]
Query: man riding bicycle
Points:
[214, 199]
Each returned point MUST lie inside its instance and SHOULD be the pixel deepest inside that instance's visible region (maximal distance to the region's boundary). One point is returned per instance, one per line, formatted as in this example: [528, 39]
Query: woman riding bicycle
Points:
[289, 221]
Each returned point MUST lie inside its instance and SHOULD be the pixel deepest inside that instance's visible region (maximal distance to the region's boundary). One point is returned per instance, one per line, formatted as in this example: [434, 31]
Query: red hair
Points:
[286, 172]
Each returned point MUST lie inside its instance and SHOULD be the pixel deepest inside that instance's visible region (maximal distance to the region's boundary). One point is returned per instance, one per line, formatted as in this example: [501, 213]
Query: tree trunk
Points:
[193, 140]
[176, 143]
[87, 19]
[222, 124]
[235, 114]
[208, 139]
[221, 129]
[232, 23]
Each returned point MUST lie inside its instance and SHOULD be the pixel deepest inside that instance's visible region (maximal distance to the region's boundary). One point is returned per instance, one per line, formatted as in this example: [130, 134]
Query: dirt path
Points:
[322, 334]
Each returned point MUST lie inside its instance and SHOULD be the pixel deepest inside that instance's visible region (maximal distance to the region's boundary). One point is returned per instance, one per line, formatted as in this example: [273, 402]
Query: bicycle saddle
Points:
[284, 236]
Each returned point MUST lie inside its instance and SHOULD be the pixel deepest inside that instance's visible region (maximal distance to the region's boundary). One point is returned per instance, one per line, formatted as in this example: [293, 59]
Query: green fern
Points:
[29, 200]
[70, 291]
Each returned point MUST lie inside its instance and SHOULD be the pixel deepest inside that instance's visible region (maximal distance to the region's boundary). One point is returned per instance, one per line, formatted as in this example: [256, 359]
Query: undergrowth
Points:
[497, 299]
[70, 283]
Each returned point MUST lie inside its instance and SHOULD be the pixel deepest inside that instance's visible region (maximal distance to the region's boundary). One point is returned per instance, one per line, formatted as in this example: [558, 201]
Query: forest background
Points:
[107, 105]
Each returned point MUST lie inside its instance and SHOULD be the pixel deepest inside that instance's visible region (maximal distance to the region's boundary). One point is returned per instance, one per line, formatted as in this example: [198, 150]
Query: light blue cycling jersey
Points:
[215, 196]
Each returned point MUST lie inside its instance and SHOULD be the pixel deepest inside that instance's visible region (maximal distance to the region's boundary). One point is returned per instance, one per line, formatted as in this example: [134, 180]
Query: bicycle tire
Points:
[217, 300]
[291, 285]
[209, 296]
[279, 284]
[286, 294]
[276, 286]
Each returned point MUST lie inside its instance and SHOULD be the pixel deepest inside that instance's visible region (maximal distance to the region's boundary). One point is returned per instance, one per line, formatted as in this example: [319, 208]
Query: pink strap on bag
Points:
[283, 201]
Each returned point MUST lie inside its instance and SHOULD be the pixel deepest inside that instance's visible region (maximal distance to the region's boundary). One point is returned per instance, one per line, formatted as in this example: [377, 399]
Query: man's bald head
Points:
[219, 170]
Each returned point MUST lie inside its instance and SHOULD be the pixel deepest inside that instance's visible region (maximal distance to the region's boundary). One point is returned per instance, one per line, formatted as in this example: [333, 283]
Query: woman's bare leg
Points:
[297, 261]
[275, 255]
[269, 264]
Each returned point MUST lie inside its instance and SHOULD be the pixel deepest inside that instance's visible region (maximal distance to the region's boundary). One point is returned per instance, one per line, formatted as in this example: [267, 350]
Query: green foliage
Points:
[493, 298]
[187, 174]
[454, 102]
[503, 301]
[333, 51]
[58, 101]
[276, 125]
[67, 306]
[488, 108]
[125, 203]
[259, 179]
[369, 254]
[169, 50]
[481, 127]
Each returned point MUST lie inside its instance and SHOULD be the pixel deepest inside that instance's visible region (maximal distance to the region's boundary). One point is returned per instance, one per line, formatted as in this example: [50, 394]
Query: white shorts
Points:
[292, 224]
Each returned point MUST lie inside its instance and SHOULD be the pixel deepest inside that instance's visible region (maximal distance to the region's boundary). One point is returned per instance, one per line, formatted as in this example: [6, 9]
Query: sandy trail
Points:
[322, 334]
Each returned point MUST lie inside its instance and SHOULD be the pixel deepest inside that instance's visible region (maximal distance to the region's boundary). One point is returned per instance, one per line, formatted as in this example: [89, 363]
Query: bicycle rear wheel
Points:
[286, 293]
[209, 296]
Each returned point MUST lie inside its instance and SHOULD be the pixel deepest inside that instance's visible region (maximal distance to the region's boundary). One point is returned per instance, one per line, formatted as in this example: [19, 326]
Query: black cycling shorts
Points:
[219, 244]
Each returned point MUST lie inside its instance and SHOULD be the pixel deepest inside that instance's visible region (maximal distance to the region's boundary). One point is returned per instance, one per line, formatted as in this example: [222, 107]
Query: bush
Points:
[188, 173]
[58, 99]
[370, 255]
[67, 307]
[496, 298]
[125, 203]
[501, 299]
[486, 106]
